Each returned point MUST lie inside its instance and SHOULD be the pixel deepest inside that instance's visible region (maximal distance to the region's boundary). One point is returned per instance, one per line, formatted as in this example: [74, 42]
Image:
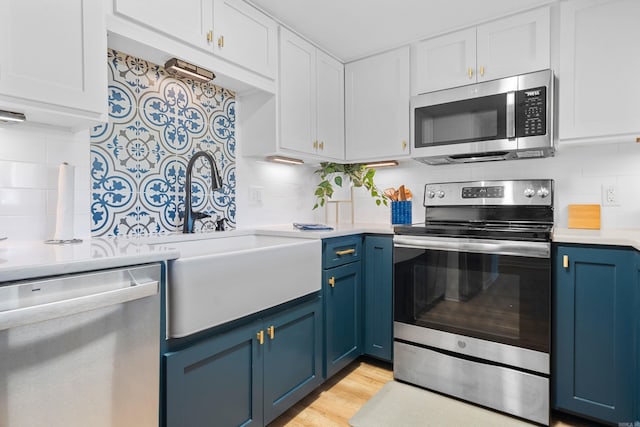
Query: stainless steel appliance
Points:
[472, 295]
[81, 349]
[509, 118]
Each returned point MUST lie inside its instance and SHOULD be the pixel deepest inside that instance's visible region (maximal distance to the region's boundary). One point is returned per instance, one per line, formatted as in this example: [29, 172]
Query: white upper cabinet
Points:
[311, 99]
[53, 61]
[330, 106]
[442, 62]
[231, 29]
[188, 20]
[377, 106]
[245, 36]
[599, 63]
[505, 47]
[297, 94]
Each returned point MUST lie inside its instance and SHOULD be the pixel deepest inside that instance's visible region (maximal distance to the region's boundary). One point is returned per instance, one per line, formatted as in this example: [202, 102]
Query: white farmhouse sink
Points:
[221, 279]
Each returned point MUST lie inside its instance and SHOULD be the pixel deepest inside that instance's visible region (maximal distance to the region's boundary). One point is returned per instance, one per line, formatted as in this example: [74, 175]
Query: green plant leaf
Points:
[338, 180]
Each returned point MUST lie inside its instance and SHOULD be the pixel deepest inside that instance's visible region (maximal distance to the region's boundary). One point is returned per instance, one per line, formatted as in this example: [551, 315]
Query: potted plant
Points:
[356, 174]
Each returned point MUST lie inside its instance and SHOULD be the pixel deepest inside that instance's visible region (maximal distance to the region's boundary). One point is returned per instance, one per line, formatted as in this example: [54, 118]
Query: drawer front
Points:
[341, 250]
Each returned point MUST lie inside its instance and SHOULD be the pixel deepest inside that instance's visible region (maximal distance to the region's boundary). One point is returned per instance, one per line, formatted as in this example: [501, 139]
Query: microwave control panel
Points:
[531, 112]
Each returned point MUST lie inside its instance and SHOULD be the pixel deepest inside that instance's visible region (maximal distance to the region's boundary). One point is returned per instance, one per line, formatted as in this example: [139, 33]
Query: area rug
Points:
[402, 405]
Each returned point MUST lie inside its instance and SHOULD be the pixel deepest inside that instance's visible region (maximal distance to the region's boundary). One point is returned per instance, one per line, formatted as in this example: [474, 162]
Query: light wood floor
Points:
[339, 398]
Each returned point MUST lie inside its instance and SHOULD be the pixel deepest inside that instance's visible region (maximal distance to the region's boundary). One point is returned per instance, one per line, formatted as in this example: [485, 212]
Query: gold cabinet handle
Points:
[345, 252]
[565, 261]
[210, 36]
[321, 145]
[260, 337]
[470, 72]
[404, 145]
[482, 71]
[332, 282]
[315, 145]
[271, 331]
[221, 41]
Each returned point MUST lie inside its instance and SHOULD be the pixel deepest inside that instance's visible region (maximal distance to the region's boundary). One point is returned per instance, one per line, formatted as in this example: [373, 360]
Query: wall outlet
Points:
[610, 195]
[255, 194]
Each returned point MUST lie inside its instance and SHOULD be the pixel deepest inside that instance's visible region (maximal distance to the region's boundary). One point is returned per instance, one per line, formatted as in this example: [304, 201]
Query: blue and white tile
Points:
[112, 193]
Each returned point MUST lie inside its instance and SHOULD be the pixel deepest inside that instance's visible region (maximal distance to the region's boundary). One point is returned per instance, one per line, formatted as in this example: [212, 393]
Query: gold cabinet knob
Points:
[321, 145]
[565, 261]
[482, 71]
[315, 145]
[470, 72]
[221, 41]
[271, 331]
[260, 337]
[332, 282]
[404, 145]
[210, 36]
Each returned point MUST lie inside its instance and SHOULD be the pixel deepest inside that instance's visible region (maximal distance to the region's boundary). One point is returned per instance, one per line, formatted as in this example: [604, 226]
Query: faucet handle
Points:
[220, 224]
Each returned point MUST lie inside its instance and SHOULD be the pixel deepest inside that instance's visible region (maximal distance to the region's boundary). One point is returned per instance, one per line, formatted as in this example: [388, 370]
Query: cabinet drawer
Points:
[341, 250]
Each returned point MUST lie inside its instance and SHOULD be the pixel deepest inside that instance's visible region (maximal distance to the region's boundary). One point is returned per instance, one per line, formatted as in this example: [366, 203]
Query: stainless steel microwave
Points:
[504, 119]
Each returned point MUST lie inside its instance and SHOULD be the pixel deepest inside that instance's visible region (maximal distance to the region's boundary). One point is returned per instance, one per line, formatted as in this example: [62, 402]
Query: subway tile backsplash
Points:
[157, 122]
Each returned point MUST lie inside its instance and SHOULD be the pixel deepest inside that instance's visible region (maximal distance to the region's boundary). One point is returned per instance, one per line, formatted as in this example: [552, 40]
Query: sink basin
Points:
[222, 279]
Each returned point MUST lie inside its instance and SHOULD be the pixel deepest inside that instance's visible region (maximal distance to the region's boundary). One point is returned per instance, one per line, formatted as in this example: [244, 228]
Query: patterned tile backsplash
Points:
[157, 122]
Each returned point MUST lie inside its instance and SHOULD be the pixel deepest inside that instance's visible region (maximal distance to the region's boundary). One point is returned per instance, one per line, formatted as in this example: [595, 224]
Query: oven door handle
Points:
[497, 247]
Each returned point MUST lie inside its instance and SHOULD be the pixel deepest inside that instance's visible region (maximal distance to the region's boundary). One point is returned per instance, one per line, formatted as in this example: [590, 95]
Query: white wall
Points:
[579, 173]
[29, 160]
[30, 155]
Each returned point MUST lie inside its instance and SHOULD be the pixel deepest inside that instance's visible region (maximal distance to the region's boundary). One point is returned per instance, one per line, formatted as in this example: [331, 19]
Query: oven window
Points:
[470, 120]
[500, 298]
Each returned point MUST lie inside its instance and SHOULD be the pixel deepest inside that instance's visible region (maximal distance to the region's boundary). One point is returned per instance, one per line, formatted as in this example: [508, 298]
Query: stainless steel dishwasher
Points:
[81, 349]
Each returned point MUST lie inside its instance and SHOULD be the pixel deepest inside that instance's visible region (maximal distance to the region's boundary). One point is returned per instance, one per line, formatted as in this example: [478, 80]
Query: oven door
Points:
[489, 290]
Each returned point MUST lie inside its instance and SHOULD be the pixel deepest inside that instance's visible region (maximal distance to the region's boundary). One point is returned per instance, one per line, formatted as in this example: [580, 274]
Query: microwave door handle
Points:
[511, 115]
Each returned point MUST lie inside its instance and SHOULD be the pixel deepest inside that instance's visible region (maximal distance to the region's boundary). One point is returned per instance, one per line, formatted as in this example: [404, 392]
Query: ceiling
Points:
[352, 29]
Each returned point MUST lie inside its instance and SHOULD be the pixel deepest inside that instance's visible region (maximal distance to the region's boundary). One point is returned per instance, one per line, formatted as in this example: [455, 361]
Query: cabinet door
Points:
[342, 302]
[443, 62]
[330, 106]
[594, 358]
[190, 21]
[378, 297]
[216, 382]
[377, 106]
[598, 71]
[54, 52]
[297, 97]
[293, 357]
[515, 45]
[245, 36]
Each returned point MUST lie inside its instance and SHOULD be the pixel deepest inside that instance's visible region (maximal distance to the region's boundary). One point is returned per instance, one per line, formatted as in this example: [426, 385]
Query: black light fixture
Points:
[184, 69]
[287, 160]
[10, 116]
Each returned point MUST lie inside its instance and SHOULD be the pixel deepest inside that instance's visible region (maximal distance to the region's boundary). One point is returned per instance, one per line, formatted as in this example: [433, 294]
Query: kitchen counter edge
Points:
[614, 237]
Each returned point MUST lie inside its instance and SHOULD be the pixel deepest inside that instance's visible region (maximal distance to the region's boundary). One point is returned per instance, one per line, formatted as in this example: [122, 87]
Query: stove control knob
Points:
[430, 194]
[440, 194]
[543, 192]
[529, 192]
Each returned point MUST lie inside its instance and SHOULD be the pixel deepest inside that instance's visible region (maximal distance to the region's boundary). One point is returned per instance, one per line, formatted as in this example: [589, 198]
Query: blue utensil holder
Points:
[401, 212]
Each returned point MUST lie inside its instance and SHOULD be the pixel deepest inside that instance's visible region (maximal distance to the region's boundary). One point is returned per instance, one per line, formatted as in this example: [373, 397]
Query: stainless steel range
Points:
[472, 295]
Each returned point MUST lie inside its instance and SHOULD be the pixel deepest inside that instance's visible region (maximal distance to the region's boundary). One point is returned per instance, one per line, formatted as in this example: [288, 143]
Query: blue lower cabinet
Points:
[292, 357]
[342, 304]
[595, 312]
[249, 375]
[217, 382]
[378, 297]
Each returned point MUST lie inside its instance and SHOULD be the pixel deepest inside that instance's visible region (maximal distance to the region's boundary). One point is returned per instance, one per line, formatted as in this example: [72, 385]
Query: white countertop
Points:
[288, 230]
[614, 237]
[29, 259]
